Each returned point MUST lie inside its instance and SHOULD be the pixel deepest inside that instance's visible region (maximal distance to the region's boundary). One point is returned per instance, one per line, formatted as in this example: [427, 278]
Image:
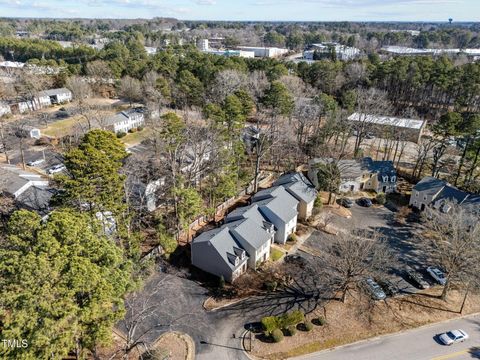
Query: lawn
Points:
[275, 254]
[62, 127]
[132, 139]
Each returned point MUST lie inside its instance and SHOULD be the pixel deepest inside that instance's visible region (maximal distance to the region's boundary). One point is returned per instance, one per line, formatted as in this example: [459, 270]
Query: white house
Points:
[125, 121]
[301, 189]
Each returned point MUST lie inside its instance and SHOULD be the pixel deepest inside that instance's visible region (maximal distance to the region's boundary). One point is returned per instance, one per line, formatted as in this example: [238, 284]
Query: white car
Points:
[55, 169]
[453, 336]
[36, 162]
[437, 274]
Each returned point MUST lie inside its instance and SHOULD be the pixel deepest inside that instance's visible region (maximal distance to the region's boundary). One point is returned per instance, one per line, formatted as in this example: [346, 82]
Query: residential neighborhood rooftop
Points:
[388, 120]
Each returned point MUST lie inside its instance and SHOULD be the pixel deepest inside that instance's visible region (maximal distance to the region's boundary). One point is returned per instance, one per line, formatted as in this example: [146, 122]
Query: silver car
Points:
[437, 274]
[453, 336]
[374, 289]
[36, 162]
[55, 169]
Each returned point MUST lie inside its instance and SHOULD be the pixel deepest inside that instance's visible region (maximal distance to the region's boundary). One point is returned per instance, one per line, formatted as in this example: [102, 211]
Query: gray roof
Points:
[13, 178]
[53, 92]
[299, 186]
[121, 116]
[429, 185]
[247, 212]
[283, 205]
[248, 229]
[451, 193]
[224, 244]
[267, 193]
[36, 198]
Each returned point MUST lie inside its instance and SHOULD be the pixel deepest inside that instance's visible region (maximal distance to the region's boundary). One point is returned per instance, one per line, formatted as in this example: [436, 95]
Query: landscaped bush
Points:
[308, 325]
[132, 130]
[318, 204]
[292, 318]
[277, 335]
[293, 238]
[321, 321]
[381, 199]
[121, 134]
[140, 128]
[270, 285]
[291, 330]
[269, 324]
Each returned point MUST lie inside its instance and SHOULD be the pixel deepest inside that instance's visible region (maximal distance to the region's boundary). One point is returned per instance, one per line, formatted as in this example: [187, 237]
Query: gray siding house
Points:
[218, 253]
[301, 189]
[436, 193]
[279, 208]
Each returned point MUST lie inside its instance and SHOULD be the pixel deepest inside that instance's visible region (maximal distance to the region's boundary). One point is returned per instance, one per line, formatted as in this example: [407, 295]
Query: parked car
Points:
[365, 202]
[389, 287]
[374, 289]
[345, 202]
[36, 162]
[453, 336]
[369, 136]
[416, 279]
[437, 274]
[55, 169]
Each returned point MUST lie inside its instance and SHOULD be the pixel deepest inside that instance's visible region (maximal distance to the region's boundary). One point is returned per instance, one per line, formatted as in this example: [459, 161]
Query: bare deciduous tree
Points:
[452, 240]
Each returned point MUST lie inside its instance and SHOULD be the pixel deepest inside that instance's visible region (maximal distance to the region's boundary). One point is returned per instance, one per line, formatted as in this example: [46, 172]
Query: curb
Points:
[223, 306]
[385, 336]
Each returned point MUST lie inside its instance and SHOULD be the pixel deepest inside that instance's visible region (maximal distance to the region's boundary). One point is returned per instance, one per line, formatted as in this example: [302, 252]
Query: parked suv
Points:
[388, 287]
[416, 279]
[36, 162]
[374, 289]
[437, 274]
[345, 202]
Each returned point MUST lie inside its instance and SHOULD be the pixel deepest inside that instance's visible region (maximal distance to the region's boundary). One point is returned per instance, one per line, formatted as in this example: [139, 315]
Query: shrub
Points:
[166, 241]
[292, 318]
[321, 321]
[221, 282]
[318, 204]
[291, 330]
[269, 324]
[121, 134]
[277, 335]
[270, 285]
[132, 130]
[308, 325]
[140, 128]
[293, 238]
[381, 199]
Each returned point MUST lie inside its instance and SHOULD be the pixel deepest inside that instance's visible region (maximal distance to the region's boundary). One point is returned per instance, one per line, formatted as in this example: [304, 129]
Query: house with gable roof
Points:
[301, 189]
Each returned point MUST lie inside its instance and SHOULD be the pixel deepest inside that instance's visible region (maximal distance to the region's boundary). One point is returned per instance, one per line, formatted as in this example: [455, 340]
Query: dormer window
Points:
[393, 178]
[385, 178]
[237, 260]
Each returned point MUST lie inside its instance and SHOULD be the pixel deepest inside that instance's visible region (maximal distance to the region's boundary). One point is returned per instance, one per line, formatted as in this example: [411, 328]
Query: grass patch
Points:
[275, 254]
[61, 128]
[135, 138]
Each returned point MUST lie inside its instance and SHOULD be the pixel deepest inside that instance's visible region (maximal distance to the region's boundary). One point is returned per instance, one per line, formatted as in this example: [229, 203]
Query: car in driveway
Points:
[55, 169]
[36, 162]
[416, 279]
[374, 289]
[453, 336]
[346, 202]
[437, 274]
[365, 202]
[388, 287]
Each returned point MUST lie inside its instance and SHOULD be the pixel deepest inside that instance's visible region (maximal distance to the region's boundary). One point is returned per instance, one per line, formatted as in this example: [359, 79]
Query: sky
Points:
[269, 10]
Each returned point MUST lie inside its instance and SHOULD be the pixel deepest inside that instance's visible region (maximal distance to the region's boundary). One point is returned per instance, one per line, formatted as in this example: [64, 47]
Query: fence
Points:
[185, 236]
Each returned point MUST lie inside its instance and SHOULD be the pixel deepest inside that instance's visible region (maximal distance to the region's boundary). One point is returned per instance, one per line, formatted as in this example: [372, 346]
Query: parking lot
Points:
[399, 237]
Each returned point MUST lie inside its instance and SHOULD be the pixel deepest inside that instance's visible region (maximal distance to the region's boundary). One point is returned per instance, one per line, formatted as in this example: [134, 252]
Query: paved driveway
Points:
[175, 303]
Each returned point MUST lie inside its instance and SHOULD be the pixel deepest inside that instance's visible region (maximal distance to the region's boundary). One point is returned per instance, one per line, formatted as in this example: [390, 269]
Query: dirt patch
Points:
[361, 318]
[176, 346]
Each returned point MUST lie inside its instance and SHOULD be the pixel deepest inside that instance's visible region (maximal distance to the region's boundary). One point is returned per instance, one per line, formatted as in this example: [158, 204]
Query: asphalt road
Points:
[417, 344]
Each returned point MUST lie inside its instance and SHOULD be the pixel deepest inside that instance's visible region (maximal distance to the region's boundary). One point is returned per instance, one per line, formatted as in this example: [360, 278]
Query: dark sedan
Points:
[365, 202]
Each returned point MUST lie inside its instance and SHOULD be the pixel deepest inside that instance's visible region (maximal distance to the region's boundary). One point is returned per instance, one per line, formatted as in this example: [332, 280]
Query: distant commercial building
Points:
[264, 51]
[202, 45]
[342, 52]
[405, 51]
[410, 129]
[230, 53]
